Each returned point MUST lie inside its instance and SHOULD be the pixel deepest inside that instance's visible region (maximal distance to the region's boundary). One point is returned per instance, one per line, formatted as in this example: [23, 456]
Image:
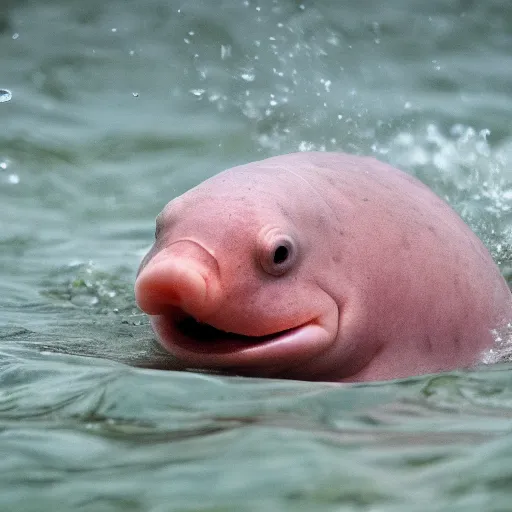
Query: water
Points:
[116, 107]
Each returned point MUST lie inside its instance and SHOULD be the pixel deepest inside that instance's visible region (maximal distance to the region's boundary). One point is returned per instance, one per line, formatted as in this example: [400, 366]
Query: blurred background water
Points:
[110, 109]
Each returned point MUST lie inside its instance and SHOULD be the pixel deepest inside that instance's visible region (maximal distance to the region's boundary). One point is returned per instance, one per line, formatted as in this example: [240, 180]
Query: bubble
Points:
[5, 95]
[135, 94]
[13, 179]
[15, 35]
[84, 300]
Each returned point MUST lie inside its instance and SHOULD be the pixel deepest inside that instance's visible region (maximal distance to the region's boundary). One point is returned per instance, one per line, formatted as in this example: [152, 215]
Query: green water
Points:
[118, 106]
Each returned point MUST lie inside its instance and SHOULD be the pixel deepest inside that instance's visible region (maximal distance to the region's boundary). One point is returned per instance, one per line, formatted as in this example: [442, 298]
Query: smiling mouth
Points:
[180, 332]
[203, 345]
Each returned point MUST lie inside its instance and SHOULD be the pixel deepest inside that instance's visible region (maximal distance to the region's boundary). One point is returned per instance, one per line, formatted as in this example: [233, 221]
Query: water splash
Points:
[198, 93]
[463, 168]
[5, 95]
[501, 352]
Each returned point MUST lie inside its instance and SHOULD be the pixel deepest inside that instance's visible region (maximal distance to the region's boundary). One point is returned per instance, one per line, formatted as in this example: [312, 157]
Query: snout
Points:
[183, 275]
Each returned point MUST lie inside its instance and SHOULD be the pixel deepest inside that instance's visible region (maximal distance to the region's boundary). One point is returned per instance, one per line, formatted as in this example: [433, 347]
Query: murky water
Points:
[110, 109]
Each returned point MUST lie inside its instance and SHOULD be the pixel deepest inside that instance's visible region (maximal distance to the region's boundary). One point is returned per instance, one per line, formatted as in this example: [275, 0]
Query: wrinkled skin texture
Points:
[320, 266]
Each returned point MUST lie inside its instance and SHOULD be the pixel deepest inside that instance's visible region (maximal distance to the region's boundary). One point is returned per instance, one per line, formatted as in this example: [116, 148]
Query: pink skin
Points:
[320, 266]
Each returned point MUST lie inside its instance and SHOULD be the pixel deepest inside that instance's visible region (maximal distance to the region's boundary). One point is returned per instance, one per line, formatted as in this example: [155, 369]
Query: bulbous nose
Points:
[183, 275]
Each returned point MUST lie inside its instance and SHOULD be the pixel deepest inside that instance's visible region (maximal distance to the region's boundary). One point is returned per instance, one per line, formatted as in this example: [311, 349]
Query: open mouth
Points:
[188, 333]
[203, 345]
[204, 333]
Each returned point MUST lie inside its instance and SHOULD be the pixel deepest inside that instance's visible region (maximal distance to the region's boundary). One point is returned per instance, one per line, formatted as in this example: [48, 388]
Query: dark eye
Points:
[277, 252]
[280, 254]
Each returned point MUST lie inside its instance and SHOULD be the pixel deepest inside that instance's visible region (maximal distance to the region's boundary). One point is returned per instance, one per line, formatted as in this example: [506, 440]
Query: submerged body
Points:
[320, 266]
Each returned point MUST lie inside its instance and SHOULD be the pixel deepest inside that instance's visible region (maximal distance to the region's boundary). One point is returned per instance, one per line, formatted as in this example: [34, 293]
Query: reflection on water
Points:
[110, 109]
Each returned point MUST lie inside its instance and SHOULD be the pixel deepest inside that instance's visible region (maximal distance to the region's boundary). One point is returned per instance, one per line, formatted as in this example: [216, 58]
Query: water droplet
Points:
[225, 51]
[333, 40]
[132, 52]
[248, 75]
[306, 146]
[3, 165]
[114, 30]
[197, 92]
[407, 105]
[13, 179]
[5, 95]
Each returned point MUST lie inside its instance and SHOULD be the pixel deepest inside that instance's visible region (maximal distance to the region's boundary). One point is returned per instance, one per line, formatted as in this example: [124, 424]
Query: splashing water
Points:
[502, 351]
[5, 95]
